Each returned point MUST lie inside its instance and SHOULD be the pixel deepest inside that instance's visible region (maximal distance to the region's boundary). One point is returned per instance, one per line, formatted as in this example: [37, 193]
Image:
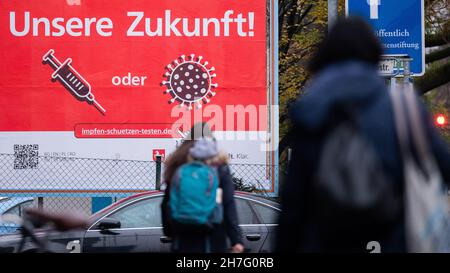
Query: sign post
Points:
[332, 12]
[392, 66]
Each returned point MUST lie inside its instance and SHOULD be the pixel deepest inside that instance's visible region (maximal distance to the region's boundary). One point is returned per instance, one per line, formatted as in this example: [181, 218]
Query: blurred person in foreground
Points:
[345, 85]
[195, 240]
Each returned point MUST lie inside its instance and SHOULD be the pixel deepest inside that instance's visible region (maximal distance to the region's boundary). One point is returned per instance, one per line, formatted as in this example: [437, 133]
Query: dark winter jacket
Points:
[229, 229]
[355, 86]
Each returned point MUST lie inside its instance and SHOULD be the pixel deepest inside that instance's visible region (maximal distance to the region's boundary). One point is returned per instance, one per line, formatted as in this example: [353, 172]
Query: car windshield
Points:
[142, 213]
[107, 209]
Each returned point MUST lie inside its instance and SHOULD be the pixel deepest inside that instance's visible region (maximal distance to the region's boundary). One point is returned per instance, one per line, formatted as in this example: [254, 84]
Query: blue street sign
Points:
[399, 24]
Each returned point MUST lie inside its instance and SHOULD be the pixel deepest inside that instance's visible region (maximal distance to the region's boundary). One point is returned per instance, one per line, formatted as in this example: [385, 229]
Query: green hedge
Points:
[436, 39]
[437, 55]
[434, 77]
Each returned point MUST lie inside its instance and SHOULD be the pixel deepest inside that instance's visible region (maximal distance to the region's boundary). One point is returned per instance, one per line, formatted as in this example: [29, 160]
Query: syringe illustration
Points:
[71, 79]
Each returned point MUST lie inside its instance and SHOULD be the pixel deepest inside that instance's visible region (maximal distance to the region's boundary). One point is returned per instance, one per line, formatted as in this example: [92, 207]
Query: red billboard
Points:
[125, 62]
[124, 80]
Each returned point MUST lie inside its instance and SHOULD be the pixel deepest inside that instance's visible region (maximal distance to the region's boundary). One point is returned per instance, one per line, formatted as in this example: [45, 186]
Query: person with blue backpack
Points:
[198, 209]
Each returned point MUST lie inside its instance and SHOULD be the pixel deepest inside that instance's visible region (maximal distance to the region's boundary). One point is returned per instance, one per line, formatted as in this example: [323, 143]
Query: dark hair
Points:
[199, 130]
[180, 155]
[349, 39]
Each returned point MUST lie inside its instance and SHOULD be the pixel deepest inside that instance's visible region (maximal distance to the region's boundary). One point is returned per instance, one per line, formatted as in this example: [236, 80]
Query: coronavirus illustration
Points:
[189, 81]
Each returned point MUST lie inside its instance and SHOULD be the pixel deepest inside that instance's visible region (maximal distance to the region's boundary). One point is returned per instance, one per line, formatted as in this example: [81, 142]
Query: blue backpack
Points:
[193, 195]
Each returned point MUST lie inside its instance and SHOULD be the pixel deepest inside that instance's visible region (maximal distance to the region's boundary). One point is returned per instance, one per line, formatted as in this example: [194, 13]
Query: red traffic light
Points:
[441, 120]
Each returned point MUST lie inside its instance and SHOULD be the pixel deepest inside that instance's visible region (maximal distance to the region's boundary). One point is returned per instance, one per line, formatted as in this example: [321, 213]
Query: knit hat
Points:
[204, 149]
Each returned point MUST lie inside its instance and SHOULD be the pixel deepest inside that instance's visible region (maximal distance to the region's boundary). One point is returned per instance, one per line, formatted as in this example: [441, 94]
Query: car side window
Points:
[268, 215]
[245, 213]
[14, 210]
[25, 206]
[142, 214]
[19, 208]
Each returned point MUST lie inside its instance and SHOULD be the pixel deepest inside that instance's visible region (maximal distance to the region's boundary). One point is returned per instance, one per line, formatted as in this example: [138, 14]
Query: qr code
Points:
[26, 156]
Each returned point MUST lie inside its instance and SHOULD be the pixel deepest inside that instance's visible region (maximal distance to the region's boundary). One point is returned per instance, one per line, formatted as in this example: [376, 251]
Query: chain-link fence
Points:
[88, 175]
[62, 184]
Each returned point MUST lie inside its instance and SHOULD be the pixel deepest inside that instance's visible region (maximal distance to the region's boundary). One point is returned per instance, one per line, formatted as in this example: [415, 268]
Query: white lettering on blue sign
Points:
[374, 5]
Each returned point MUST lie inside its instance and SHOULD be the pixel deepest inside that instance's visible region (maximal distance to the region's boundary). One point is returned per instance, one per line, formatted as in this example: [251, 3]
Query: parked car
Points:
[14, 206]
[133, 224]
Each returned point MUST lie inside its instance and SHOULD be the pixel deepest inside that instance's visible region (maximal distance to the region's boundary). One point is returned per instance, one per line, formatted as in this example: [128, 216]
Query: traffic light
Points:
[441, 120]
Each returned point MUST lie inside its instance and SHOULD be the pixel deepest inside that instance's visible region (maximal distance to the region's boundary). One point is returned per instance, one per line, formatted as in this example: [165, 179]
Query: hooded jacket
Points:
[347, 87]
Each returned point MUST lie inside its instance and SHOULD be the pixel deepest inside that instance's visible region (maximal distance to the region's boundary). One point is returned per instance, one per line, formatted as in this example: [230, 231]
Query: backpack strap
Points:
[418, 131]
[405, 104]
[211, 183]
[211, 174]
